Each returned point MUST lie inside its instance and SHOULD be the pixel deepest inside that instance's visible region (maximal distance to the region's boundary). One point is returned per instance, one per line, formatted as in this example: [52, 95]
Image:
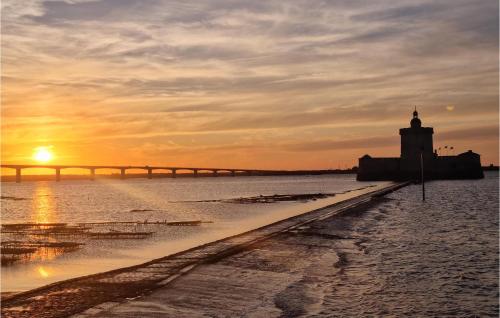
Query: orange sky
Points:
[265, 84]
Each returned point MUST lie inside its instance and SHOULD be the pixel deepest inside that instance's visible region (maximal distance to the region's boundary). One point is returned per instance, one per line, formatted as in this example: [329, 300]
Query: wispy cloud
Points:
[298, 74]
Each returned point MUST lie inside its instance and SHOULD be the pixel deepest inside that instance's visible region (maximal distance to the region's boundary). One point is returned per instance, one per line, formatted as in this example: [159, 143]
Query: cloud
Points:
[356, 143]
[89, 10]
[129, 70]
[470, 134]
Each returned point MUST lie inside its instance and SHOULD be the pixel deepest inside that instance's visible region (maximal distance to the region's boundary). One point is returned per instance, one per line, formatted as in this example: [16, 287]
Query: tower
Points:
[416, 139]
[417, 153]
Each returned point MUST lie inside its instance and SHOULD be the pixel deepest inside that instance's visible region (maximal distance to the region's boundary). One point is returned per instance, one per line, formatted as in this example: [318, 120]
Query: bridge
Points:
[123, 169]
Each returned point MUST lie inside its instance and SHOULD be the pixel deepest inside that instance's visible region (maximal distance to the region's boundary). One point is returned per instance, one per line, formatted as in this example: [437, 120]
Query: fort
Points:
[417, 154]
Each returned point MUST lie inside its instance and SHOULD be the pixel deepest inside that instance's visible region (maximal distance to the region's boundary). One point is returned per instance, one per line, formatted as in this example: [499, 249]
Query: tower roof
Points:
[415, 122]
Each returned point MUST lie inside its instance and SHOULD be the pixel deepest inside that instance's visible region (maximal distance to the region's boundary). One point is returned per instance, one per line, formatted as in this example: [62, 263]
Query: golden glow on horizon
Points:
[43, 154]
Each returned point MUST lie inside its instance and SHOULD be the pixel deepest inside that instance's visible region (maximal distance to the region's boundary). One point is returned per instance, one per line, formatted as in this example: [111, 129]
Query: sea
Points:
[411, 258]
[414, 258]
[146, 201]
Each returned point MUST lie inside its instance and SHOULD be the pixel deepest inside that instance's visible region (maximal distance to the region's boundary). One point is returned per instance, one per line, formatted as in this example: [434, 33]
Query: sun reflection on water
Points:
[43, 204]
[46, 254]
[43, 272]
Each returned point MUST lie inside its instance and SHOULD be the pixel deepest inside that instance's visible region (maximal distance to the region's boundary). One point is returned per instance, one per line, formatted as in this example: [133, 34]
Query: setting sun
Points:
[43, 154]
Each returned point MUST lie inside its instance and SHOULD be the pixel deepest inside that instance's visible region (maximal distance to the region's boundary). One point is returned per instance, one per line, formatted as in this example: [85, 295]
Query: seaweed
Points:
[120, 235]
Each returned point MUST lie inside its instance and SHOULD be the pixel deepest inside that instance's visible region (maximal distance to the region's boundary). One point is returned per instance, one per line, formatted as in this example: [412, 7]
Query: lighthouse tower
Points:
[416, 140]
[417, 144]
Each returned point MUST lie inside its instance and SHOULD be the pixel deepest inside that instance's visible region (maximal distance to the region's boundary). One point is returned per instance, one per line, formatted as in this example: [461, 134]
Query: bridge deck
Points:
[123, 169]
[15, 166]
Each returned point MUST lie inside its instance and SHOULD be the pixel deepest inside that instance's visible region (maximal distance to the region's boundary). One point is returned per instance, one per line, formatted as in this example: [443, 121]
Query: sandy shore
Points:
[261, 273]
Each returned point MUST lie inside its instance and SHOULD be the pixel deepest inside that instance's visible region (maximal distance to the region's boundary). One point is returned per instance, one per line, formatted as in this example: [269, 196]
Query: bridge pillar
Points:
[174, 173]
[122, 173]
[195, 173]
[150, 173]
[18, 175]
[215, 172]
[233, 173]
[92, 174]
[58, 174]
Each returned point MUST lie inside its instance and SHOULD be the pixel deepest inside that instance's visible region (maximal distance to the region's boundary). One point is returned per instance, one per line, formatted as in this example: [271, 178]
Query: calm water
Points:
[115, 200]
[437, 258]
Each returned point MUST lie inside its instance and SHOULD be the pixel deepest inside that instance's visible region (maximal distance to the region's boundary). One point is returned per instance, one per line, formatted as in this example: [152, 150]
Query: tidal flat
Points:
[118, 223]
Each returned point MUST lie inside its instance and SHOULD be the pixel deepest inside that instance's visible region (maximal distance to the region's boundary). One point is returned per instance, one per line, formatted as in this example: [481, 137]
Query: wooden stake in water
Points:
[422, 174]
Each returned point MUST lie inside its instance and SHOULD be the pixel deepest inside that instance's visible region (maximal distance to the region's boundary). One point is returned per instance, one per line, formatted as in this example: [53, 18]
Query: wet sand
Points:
[231, 276]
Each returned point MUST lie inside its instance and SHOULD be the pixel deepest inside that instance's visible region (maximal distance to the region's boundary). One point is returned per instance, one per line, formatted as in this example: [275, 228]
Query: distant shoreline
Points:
[51, 177]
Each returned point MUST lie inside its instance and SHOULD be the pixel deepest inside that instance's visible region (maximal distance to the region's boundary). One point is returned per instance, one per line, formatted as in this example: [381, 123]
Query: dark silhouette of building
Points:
[417, 147]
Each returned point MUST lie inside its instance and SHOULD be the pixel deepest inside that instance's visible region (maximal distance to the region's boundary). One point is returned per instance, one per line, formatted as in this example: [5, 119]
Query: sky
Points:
[299, 84]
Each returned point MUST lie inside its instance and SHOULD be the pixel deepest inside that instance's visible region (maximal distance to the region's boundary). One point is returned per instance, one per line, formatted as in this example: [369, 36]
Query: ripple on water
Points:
[433, 258]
